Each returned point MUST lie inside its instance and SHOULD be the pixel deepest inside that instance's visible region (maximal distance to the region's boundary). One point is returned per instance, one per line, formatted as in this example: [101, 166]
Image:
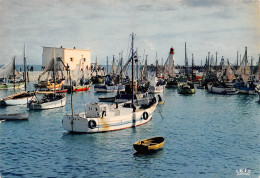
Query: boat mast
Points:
[14, 70]
[107, 65]
[83, 69]
[209, 61]
[137, 69]
[216, 59]
[71, 93]
[133, 74]
[24, 68]
[246, 60]
[156, 61]
[237, 60]
[96, 67]
[259, 68]
[186, 62]
[54, 71]
[192, 63]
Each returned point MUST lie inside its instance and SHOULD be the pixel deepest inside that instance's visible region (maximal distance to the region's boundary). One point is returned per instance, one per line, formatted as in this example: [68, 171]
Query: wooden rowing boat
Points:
[14, 117]
[150, 144]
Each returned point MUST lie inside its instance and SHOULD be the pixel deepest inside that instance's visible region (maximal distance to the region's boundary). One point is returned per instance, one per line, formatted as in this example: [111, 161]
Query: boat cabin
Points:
[95, 110]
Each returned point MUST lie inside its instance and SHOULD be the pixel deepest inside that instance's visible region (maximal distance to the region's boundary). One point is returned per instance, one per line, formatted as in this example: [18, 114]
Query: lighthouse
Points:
[171, 61]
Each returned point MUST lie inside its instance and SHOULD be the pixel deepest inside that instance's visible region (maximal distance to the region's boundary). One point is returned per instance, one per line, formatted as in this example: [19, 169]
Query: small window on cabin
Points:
[96, 109]
[84, 59]
[71, 59]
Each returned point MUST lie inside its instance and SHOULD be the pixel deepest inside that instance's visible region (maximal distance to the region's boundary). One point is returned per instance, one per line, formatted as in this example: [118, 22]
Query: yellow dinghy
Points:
[150, 144]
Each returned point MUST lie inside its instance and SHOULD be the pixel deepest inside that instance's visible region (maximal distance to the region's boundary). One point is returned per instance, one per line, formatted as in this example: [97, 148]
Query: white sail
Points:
[77, 74]
[9, 70]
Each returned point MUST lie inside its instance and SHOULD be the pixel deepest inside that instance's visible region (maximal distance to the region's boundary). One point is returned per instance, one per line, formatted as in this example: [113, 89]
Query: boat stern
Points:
[79, 124]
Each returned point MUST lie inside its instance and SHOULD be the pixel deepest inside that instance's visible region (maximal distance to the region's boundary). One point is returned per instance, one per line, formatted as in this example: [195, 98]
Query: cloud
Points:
[104, 26]
[204, 3]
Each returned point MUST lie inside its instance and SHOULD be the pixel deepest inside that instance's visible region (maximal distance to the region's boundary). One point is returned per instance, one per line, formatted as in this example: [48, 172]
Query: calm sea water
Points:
[206, 135]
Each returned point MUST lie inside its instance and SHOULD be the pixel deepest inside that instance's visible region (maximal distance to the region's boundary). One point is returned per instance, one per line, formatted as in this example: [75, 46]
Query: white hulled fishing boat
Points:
[48, 101]
[21, 98]
[156, 85]
[102, 117]
[51, 99]
[220, 88]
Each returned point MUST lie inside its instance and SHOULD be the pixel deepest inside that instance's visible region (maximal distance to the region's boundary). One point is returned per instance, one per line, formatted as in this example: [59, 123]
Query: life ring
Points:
[145, 115]
[92, 124]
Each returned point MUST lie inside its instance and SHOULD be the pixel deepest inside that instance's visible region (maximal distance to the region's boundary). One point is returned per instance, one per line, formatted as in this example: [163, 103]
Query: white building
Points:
[71, 57]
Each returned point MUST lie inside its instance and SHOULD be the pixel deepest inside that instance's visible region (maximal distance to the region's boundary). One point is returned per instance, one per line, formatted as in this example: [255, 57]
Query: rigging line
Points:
[127, 57]
[160, 113]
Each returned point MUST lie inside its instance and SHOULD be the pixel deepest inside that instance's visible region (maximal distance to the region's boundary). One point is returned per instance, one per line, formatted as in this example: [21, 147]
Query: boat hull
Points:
[80, 123]
[149, 145]
[20, 101]
[14, 117]
[107, 99]
[186, 91]
[48, 105]
[223, 91]
[8, 86]
[107, 89]
[157, 89]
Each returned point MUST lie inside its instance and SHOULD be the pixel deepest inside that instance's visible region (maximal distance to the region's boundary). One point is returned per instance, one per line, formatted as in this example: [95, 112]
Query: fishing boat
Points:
[149, 145]
[97, 79]
[99, 117]
[221, 88]
[48, 101]
[107, 88]
[257, 89]
[102, 117]
[245, 84]
[186, 88]
[111, 84]
[82, 86]
[49, 85]
[156, 85]
[79, 83]
[107, 98]
[21, 98]
[10, 78]
[246, 87]
[55, 83]
[14, 117]
[172, 83]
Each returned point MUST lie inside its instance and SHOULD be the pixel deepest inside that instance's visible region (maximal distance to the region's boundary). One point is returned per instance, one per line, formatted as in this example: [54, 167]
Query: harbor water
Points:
[206, 135]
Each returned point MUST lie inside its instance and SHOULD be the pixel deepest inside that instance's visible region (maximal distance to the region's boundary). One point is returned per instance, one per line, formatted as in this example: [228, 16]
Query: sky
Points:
[104, 27]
